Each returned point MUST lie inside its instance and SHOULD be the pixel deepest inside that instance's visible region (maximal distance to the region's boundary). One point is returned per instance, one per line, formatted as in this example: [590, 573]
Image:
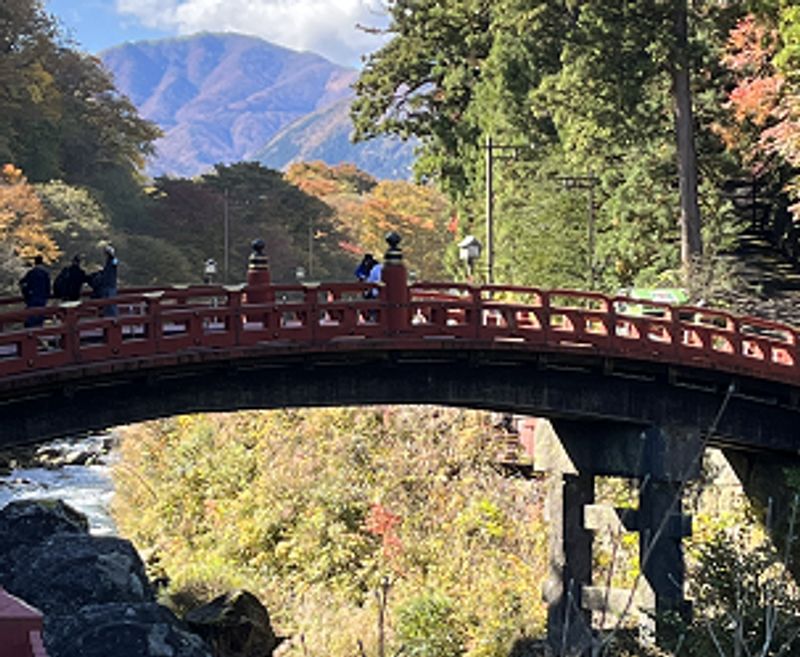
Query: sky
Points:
[325, 27]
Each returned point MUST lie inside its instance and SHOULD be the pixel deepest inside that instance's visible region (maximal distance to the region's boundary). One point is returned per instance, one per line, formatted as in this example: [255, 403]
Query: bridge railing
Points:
[149, 322]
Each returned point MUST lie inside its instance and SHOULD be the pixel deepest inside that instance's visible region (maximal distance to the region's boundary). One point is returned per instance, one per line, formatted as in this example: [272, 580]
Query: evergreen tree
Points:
[592, 89]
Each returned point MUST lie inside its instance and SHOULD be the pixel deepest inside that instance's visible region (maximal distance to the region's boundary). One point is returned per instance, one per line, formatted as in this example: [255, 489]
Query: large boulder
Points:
[26, 523]
[92, 589]
[122, 630]
[68, 571]
[235, 624]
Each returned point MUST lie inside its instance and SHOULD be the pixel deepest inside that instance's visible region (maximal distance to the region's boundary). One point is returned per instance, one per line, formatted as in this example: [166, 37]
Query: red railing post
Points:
[476, 311]
[395, 280]
[258, 276]
[71, 336]
[234, 310]
[154, 327]
[29, 347]
[546, 318]
[311, 301]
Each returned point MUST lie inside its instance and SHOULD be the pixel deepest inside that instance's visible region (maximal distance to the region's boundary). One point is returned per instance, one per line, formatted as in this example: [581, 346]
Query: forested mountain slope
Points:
[325, 135]
[223, 97]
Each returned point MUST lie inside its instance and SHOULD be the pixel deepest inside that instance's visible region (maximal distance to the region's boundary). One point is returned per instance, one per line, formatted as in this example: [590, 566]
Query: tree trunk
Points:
[691, 240]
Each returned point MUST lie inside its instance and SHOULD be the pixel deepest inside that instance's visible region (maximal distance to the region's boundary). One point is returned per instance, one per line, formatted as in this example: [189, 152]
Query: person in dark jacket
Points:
[35, 287]
[365, 266]
[104, 282]
[69, 283]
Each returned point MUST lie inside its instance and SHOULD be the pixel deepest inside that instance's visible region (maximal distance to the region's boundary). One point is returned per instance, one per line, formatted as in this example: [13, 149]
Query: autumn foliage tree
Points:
[365, 210]
[62, 117]
[22, 219]
[22, 227]
[764, 126]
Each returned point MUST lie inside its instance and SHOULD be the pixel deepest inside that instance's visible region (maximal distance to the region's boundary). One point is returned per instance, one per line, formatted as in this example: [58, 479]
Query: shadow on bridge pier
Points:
[573, 454]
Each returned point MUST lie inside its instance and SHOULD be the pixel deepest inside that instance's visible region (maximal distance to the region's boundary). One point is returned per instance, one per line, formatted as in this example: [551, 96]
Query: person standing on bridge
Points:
[365, 267]
[35, 287]
[104, 282]
[375, 277]
[69, 282]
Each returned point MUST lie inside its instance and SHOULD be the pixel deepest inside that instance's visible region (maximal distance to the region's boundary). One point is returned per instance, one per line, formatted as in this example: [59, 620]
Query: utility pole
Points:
[588, 183]
[508, 152]
[310, 249]
[489, 211]
[225, 237]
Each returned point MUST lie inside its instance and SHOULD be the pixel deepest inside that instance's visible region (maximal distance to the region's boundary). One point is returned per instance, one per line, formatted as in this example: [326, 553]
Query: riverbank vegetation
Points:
[317, 511]
[370, 530]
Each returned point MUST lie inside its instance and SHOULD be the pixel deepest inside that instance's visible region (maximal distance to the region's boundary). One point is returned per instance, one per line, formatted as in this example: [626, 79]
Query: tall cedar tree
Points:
[442, 79]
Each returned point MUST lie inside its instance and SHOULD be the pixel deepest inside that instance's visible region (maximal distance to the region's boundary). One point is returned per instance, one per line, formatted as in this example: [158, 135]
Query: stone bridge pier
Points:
[582, 612]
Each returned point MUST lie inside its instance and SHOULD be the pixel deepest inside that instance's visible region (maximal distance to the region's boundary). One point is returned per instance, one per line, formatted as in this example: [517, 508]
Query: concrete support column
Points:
[661, 527]
[573, 454]
[570, 548]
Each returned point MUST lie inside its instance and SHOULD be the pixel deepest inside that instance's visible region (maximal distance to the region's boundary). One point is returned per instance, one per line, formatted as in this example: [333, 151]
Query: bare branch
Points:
[788, 643]
[714, 638]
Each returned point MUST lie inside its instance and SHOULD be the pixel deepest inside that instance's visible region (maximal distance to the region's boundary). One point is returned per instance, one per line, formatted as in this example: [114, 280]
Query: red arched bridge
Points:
[554, 353]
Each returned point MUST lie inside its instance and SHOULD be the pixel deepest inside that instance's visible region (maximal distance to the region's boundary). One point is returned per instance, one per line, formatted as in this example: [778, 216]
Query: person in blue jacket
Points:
[365, 266]
[35, 287]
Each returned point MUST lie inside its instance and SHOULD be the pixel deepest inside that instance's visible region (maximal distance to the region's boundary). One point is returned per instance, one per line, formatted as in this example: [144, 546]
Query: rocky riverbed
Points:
[75, 470]
[59, 552]
[97, 600]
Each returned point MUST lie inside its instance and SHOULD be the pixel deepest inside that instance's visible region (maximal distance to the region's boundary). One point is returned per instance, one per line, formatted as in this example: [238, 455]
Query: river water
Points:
[87, 488]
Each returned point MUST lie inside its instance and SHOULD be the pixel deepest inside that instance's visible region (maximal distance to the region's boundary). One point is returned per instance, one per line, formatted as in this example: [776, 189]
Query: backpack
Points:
[60, 284]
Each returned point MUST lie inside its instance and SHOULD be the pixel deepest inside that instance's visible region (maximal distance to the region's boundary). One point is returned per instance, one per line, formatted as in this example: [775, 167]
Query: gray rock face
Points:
[122, 630]
[68, 571]
[93, 590]
[235, 624]
[26, 523]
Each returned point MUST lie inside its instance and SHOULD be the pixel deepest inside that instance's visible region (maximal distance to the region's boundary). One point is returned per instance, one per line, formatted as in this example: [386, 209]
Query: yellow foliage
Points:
[23, 217]
[311, 510]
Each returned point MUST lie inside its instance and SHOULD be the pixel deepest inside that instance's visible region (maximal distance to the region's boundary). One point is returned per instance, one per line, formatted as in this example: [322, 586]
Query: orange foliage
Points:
[383, 523]
[23, 217]
[764, 109]
[366, 209]
[756, 99]
[750, 47]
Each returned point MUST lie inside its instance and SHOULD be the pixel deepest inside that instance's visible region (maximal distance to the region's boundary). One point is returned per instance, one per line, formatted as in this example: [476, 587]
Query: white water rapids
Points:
[87, 488]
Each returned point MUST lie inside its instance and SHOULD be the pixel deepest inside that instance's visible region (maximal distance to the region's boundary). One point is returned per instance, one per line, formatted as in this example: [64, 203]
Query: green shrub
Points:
[427, 626]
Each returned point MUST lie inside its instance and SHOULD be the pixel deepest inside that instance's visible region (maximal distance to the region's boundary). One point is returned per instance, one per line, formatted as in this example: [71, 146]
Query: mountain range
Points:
[222, 98]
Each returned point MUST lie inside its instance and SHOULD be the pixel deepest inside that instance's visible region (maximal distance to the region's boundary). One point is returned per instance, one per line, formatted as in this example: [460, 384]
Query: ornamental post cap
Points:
[394, 254]
[258, 259]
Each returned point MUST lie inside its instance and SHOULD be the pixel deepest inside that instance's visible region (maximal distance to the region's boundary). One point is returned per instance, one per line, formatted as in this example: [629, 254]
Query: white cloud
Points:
[327, 27]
